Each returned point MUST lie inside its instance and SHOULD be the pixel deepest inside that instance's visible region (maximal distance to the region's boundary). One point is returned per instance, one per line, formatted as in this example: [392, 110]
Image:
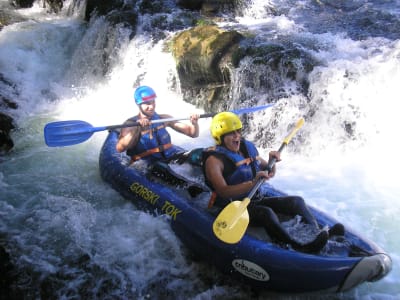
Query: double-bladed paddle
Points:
[66, 133]
[232, 222]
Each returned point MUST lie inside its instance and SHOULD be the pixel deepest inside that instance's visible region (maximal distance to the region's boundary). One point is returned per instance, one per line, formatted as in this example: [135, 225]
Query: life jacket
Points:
[237, 168]
[154, 143]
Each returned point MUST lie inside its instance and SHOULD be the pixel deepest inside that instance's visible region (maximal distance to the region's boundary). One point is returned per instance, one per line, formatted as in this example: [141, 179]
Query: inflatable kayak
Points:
[255, 260]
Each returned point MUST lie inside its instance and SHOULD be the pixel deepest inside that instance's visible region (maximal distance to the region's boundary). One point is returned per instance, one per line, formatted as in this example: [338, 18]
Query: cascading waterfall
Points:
[71, 235]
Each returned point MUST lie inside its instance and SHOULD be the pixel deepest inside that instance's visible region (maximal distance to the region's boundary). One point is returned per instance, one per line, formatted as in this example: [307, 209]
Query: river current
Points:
[72, 236]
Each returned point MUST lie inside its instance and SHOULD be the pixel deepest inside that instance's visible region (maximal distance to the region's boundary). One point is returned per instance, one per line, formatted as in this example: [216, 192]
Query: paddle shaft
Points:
[65, 133]
[254, 189]
[207, 115]
[269, 167]
[261, 180]
[132, 124]
[285, 142]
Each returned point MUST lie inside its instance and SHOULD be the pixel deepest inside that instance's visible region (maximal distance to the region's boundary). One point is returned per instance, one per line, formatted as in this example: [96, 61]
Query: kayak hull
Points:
[253, 261]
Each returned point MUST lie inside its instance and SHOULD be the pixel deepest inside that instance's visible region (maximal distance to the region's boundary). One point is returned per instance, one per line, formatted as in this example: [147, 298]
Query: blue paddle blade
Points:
[65, 133]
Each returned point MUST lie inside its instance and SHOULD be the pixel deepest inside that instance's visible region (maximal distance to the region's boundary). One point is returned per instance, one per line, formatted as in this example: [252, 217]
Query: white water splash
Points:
[59, 210]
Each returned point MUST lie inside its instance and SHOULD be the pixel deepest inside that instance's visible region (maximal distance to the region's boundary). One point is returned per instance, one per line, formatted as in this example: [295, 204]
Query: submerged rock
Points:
[6, 125]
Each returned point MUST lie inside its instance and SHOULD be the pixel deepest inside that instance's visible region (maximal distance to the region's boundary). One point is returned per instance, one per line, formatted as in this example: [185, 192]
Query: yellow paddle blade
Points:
[299, 124]
[231, 223]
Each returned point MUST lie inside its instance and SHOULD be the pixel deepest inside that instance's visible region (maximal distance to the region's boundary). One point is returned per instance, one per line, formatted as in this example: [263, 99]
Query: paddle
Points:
[66, 133]
[231, 223]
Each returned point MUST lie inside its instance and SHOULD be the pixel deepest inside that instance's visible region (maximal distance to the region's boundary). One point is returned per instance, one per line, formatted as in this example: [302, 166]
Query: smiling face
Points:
[231, 140]
[147, 108]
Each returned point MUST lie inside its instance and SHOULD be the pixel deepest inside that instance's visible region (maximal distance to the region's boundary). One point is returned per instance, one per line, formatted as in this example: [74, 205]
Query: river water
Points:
[72, 236]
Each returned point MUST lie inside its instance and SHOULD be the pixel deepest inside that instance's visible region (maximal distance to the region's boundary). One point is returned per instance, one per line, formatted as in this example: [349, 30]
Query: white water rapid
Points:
[61, 219]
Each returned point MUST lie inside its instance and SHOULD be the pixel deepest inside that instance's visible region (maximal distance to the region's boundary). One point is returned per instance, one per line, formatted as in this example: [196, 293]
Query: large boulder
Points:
[203, 54]
[207, 56]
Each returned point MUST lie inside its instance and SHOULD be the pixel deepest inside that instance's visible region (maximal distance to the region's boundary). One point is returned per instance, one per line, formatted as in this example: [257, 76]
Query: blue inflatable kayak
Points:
[255, 260]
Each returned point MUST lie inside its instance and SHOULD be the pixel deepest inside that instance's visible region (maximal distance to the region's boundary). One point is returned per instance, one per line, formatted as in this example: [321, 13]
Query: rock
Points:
[22, 3]
[6, 278]
[6, 125]
[191, 4]
[8, 16]
[203, 54]
[199, 52]
[54, 6]
[209, 7]
[102, 7]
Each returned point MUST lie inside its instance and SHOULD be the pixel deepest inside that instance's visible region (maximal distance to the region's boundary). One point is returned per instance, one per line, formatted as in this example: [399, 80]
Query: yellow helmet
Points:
[224, 123]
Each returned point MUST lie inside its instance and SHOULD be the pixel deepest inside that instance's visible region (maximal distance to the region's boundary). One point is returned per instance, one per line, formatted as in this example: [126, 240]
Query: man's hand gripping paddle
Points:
[232, 222]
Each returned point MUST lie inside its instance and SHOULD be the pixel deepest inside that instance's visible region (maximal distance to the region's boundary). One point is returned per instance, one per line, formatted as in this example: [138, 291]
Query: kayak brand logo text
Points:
[249, 269]
[170, 210]
[152, 198]
[144, 192]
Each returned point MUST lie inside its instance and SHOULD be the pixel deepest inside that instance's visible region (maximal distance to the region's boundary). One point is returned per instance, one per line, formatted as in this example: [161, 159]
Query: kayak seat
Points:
[163, 171]
[193, 157]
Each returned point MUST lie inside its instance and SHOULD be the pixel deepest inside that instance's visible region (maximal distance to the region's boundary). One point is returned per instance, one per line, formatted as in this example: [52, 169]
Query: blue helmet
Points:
[143, 94]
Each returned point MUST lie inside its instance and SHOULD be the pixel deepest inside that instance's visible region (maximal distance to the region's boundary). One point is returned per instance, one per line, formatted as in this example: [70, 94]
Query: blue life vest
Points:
[237, 168]
[154, 143]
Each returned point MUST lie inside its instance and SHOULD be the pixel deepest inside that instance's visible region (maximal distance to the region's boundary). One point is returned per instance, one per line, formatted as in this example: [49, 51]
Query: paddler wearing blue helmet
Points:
[148, 141]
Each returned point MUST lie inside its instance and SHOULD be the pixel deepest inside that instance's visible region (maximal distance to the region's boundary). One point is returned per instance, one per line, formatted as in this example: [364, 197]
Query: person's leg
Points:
[265, 217]
[295, 205]
[261, 215]
[290, 205]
